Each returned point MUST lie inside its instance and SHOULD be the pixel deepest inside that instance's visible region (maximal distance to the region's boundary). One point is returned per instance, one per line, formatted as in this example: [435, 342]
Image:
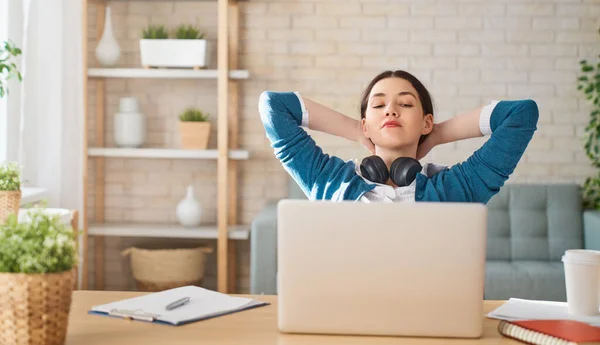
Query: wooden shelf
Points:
[238, 232]
[163, 73]
[165, 153]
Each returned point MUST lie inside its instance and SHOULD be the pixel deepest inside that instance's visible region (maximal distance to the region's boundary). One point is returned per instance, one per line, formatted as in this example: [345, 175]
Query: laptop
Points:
[391, 269]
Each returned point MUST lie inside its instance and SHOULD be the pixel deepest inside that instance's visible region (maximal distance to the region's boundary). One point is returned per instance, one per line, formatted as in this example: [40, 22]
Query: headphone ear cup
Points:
[373, 168]
[404, 170]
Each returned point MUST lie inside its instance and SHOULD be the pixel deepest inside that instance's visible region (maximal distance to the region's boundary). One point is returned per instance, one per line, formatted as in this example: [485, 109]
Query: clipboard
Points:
[203, 304]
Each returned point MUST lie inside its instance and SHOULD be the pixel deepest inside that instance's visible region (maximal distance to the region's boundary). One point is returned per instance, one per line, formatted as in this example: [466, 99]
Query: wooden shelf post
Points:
[223, 143]
[233, 141]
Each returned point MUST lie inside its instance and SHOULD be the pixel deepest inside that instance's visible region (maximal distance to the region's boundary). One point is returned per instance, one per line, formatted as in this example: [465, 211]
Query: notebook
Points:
[203, 304]
[516, 309]
[550, 332]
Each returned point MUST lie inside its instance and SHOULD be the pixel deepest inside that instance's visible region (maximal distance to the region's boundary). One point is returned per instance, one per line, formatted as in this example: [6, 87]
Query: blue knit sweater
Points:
[325, 177]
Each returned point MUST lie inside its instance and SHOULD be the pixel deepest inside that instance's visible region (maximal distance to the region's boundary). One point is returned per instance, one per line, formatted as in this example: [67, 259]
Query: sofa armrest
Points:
[591, 230]
[263, 251]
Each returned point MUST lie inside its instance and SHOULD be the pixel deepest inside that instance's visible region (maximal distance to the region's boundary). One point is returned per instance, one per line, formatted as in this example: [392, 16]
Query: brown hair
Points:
[422, 92]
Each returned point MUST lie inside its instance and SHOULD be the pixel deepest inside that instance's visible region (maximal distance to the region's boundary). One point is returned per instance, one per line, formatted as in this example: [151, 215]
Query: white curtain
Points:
[51, 108]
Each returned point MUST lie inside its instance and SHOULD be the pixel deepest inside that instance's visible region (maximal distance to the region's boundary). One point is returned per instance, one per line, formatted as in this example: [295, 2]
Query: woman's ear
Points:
[428, 124]
[364, 128]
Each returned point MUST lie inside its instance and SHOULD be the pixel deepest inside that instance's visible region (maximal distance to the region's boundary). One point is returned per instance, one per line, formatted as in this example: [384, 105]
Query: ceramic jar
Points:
[129, 124]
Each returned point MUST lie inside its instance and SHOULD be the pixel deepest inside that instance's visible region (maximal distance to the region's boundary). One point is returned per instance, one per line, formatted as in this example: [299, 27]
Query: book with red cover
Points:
[542, 332]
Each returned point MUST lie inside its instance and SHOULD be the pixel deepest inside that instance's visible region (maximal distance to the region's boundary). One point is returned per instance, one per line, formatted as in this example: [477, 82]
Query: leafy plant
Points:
[10, 177]
[41, 245]
[188, 32]
[8, 67]
[589, 84]
[193, 115]
[155, 32]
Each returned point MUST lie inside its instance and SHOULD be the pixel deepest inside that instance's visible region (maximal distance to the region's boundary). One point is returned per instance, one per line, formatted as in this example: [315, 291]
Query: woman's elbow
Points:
[266, 100]
[529, 108]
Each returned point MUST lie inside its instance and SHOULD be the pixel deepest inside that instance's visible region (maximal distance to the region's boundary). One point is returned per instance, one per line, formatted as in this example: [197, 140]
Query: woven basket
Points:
[163, 269]
[10, 201]
[34, 308]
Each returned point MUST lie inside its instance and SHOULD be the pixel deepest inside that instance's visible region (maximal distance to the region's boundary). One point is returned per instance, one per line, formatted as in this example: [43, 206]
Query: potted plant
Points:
[10, 190]
[194, 129]
[36, 279]
[8, 67]
[188, 49]
[589, 84]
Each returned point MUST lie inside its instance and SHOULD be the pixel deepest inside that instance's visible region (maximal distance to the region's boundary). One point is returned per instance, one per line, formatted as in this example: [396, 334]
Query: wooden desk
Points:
[254, 326]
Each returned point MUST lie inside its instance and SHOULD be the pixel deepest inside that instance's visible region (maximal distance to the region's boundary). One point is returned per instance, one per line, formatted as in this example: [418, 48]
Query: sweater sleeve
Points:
[512, 124]
[282, 115]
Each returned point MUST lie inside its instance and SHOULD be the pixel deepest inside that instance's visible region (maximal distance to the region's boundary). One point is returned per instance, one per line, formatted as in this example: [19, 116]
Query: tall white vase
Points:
[189, 211]
[108, 51]
[129, 124]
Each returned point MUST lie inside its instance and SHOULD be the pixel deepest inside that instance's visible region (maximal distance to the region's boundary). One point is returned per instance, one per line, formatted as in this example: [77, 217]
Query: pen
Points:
[178, 303]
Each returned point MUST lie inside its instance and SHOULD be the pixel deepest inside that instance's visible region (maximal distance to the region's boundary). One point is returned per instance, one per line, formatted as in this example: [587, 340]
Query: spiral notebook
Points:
[203, 304]
[550, 332]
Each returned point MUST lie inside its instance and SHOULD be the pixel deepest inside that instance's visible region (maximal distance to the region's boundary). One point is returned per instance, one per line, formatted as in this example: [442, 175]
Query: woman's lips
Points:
[391, 124]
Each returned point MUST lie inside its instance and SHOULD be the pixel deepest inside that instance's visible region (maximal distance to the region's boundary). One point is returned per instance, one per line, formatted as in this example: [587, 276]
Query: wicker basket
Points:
[10, 201]
[34, 308]
[163, 269]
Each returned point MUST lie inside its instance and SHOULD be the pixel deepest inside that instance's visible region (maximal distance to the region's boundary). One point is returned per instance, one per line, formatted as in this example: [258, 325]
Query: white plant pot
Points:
[175, 53]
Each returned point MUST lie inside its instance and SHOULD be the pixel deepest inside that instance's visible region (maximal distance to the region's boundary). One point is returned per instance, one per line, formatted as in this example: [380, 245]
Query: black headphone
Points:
[403, 170]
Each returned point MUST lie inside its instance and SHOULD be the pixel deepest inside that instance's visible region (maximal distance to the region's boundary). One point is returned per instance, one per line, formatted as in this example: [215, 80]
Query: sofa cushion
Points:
[534, 222]
[525, 279]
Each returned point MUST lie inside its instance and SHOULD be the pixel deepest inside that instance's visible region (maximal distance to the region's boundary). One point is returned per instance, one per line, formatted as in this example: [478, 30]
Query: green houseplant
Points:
[155, 32]
[194, 128]
[8, 67]
[188, 49]
[10, 190]
[589, 84]
[37, 260]
[188, 32]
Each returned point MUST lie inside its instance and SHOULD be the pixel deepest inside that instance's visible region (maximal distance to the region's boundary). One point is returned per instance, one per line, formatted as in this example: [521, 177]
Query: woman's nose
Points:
[391, 111]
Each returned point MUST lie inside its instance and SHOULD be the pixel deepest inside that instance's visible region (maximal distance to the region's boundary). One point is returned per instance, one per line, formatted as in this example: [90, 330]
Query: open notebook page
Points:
[203, 304]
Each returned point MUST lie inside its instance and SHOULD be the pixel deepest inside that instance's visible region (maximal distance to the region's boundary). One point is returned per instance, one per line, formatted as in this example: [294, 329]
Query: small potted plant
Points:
[8, 67]
[10, 190]
[188, 49]
[194, 128]
[36, 279]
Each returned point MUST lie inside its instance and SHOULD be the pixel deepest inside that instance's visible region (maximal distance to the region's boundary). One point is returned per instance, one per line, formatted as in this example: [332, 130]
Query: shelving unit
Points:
[226, 231]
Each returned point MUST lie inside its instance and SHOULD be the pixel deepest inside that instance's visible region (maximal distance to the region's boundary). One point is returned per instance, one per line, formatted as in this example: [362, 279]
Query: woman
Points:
[397, 127]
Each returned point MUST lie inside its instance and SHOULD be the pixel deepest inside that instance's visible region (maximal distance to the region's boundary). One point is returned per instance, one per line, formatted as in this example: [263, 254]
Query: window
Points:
[3, 102]
[11, 22]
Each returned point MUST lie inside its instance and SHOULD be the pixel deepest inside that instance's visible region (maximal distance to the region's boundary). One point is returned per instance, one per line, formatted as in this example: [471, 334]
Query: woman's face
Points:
[394, 115]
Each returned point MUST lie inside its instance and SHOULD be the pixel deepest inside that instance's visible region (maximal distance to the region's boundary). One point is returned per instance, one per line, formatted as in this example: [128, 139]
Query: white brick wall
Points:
[466, 52]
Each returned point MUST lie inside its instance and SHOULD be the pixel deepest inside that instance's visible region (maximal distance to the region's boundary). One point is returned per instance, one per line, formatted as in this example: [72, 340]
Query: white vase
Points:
[189, 211]
[129, 124]
[108, 51]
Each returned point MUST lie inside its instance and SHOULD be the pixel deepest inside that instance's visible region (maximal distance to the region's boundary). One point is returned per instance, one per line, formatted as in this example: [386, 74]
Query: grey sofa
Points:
[529, 228]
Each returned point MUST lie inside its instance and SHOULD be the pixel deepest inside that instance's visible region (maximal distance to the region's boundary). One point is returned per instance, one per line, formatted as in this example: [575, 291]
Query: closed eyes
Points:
[401, 104]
